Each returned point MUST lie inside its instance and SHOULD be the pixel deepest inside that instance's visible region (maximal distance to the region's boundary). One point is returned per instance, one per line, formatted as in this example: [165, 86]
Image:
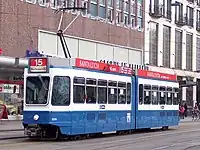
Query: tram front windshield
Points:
[37, 90]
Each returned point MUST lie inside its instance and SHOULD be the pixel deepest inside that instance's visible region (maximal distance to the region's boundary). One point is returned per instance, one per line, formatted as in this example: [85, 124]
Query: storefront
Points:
[11, 85]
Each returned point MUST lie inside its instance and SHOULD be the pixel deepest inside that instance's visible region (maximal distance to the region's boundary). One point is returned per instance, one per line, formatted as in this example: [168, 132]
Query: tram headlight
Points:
[36, 117]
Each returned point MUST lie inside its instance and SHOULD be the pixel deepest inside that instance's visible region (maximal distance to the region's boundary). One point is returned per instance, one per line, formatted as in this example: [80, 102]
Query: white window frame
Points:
[31, 1]
[83, 3]
[93, 17]
[102, 5]
[132, 7]
[118, 11]
[110, 13]
[43, 3]
[54, 4]
[138, 16]
[126, 13]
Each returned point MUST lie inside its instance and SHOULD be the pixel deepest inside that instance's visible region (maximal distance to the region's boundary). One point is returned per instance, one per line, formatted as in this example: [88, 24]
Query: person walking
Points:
[186, 108]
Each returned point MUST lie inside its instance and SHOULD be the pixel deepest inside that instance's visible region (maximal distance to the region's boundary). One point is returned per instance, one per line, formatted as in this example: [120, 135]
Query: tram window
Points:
[122, 84]
[102, 82]
[91, 81]
[154, 97]
[79, 90]
[36, 91]
[91, 94]
[61, 91]
[102, 91]
[128, 93]
[175, 96]
[147, 97]
[121, 96]
[121, 92]
[79, 93]
[169, 96]
[162, 95]
[79, 80]
[112, 95]
[141, 94]
[147, 94]
[112, 83]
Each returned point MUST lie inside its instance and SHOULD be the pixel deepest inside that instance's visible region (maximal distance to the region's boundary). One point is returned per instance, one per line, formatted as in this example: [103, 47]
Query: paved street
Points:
[10, 125]
[184, 137]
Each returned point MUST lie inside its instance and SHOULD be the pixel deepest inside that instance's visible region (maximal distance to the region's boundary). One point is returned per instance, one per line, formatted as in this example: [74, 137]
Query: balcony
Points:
[181, 20]
[156, 11]
[198, 25]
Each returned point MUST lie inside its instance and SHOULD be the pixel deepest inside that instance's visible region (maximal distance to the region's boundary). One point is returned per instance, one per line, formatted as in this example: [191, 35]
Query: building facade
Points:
[172, 41]
[110, 30]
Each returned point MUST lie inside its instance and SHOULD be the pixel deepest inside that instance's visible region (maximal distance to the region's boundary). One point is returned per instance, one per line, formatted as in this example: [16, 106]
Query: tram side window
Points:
[112, 92]
[147, 94]
[169, 96]
[61, 91]
[175, 96]
[162, 95]
[79, 90]
[154, 95]
[91, 90]
[128, 93]
[102, 91]
[141, 94]
[121, 92]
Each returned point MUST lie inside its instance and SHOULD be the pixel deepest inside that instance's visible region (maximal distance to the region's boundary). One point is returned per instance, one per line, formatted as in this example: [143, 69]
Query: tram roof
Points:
[42, 65]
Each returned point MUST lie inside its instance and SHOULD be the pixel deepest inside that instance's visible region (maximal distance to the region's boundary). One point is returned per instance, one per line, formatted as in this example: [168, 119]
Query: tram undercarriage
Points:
[42, 131]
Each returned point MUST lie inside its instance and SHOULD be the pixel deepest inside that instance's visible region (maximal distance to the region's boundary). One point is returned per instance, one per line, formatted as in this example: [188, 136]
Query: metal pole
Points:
[60, 22]
[71, 22]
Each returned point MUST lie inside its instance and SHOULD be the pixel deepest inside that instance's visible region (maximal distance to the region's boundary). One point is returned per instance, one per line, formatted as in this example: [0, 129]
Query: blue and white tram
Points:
[61, 99]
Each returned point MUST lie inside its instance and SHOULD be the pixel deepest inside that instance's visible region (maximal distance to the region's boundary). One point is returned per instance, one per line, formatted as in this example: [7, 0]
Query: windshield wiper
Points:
[43, 84]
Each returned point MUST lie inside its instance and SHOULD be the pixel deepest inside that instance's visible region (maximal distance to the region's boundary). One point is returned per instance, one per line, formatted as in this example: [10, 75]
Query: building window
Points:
[167, 9]
[180, 15]
[189, 52]
[190, 15]
[102, 9]
[178, 49]
[153, 43]
[139, 14]
[93, 8]
[132, 12]
[198, 21]
[198, 54]
[119, 11]
[110, 10]
[166, 46]
[126, 12]
[189, 93]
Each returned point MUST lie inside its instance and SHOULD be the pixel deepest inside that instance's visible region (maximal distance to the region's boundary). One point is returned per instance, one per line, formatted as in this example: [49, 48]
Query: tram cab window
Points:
[128, 93]
[112, 92]
[175, 96]
[141, 94]
[147, 94]
[162, 95]
[91, 90]
[102, 91]
[169, 96]
[154, 95]
[121, 92]
[79, 90]
[61, 91]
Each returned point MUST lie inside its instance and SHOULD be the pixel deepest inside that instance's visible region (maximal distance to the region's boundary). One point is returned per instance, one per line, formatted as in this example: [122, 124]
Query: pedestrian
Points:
[185, 112]
[181, 111]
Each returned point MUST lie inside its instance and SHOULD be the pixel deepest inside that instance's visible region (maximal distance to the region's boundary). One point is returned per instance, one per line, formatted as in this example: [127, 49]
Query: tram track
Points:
[106, 141]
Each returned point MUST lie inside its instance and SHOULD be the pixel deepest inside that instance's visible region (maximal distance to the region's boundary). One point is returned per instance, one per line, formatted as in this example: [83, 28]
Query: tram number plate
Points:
[38, 65]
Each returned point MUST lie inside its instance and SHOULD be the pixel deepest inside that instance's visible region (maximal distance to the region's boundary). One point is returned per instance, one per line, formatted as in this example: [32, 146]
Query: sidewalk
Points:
[9, 125]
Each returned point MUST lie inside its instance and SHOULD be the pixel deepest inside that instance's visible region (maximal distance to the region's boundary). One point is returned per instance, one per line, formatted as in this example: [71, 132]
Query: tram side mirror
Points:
[14, 89]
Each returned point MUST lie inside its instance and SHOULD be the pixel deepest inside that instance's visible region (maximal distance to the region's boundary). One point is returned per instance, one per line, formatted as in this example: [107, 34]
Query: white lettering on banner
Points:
[53, 4]
[89, 64]
[8, 88]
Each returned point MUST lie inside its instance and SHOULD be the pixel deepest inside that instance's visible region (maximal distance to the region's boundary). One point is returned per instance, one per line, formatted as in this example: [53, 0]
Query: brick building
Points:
[108, 29]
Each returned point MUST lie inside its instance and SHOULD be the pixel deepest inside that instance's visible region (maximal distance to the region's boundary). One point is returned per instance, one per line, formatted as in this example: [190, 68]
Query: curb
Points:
[14, 137]
[11, 130]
